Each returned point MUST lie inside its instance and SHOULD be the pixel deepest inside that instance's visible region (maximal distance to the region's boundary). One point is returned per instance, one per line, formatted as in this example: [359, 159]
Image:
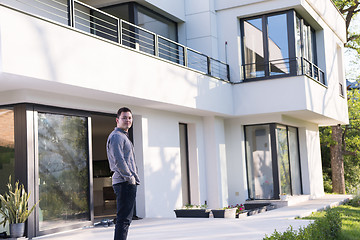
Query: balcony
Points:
[283, 68]
[93, 21]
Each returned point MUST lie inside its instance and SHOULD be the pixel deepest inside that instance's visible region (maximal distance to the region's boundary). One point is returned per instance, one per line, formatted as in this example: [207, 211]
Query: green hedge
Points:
[325, 228]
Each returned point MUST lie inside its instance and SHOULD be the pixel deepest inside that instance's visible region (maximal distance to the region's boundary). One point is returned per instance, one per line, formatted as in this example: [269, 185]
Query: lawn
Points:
[350, 219]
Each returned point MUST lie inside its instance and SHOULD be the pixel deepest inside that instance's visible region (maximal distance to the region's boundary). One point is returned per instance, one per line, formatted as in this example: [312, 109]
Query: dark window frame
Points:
[274, 158]
[133, 15]
[291, 16]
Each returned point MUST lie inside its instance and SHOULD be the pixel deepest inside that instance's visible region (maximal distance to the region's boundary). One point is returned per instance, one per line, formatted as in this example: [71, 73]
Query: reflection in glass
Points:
[7, 148]
[294, 161]
[254, 49]
[63, 170]
[283, 160]
[259, 162]
[278, 45]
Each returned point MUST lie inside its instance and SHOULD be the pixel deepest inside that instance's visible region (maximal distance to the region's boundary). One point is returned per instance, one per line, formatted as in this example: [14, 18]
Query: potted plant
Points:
[193, 211]
[14, 209]
[226, 212]
[283, 197]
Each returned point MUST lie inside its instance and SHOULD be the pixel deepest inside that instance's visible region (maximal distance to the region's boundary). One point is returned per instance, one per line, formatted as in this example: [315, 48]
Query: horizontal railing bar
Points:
[174, 53]
[169, 40]
[137, 40]
[97, 30]
[135, 33]
[92, 16]
[133, 25]
[176, 49]
[99, 25]
[95, 9]
[59, 3]
[41, 9]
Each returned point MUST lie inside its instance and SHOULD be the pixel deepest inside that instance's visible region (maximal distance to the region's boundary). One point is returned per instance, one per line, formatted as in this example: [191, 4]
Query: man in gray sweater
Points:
[120, 153]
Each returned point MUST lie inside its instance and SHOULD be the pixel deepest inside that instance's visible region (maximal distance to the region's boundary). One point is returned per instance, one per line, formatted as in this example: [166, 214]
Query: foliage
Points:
[239, 208]
[325, 228]
[350, 215]
[349, 8]
[350, 145]
[14, 204]
[191, 206]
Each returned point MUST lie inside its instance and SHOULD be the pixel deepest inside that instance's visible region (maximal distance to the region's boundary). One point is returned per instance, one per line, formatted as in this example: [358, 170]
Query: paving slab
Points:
[250, 228]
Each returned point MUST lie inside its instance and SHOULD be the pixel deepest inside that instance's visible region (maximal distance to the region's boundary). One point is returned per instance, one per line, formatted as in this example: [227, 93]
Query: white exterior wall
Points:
[54, 65]
[63, 61]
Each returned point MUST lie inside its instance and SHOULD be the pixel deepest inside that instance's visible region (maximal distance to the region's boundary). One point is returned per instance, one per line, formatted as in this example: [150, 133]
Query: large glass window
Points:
[283, 160]
[7, 147]
[259, 162]
[273, 163]
[276, 44]
[63, 170]
[7, 151]
[254, 49]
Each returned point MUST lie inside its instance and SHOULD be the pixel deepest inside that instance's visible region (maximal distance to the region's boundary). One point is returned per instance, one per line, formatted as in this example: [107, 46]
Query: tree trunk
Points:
[337, 161]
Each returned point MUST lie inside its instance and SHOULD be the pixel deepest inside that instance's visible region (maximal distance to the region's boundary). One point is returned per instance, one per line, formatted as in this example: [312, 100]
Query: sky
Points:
[351, 58]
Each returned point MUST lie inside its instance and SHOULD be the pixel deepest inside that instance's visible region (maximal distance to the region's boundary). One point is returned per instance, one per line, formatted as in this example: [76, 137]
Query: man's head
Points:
[124, 118]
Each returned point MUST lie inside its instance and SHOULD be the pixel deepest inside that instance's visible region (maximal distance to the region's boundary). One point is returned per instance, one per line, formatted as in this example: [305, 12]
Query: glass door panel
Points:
[283, 160]
[259, 163]
[278, 45]
[254, 48]
[7, 148]
[294, 161]
[63, 170]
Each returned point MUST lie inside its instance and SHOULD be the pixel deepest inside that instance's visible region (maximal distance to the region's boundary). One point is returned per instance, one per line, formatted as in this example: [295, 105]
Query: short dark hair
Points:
[123, 109]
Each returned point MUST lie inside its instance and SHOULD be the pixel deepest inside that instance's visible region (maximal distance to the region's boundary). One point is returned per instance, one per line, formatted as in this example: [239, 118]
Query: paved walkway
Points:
[252, 227]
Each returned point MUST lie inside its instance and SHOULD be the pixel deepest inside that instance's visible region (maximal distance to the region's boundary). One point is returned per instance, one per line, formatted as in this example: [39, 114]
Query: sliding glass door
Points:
[273, 163]
[63, 160]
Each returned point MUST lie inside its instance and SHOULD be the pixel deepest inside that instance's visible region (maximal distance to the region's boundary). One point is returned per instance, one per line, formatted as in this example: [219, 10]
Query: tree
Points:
[337, 142]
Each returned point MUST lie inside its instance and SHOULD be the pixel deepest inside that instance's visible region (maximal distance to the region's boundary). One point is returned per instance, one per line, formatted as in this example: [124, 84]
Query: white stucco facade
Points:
[47, 63]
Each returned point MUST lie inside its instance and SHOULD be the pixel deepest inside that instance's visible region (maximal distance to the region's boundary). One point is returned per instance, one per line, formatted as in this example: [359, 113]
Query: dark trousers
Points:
[125, 201]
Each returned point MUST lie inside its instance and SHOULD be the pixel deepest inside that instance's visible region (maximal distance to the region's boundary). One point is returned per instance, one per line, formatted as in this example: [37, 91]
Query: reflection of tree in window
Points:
[63, 167]
[7, 147]
[254, 51]
[283, 160]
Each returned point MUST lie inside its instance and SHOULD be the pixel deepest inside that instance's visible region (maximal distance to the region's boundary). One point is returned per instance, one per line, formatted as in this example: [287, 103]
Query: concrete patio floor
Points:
[251, 227]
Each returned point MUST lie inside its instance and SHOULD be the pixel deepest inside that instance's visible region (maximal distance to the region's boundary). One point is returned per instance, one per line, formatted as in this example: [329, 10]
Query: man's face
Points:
[124, 121]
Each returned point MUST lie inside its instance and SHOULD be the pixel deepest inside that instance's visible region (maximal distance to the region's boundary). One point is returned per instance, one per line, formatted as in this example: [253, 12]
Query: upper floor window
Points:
[145, 18]
[280, 44]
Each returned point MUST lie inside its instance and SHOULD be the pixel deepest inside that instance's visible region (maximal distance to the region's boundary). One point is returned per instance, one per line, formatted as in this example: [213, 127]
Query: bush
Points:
[355, 202]
[325, 228]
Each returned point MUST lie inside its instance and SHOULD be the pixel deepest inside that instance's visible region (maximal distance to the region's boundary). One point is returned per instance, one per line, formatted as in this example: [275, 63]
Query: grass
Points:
[350, 219]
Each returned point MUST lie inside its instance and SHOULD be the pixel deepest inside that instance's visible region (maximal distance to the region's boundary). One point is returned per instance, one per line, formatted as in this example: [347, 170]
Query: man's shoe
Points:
[136, 218]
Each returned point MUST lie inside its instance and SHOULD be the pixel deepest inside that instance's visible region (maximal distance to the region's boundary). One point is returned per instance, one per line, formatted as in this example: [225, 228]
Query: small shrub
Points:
[325, 228]
[355, 202]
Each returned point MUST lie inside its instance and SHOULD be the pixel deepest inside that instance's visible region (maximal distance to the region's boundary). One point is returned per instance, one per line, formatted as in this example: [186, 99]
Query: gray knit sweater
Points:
[120, 153]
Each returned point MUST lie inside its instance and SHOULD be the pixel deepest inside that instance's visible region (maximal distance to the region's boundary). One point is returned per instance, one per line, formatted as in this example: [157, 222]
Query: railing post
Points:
[228, 72]
[71, 13]
[208, 65]
[119, 31]
[156, 45]
[185, 56]
[302, 65]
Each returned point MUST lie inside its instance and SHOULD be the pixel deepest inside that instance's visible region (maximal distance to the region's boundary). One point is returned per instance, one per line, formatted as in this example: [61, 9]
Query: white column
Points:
[216, 174]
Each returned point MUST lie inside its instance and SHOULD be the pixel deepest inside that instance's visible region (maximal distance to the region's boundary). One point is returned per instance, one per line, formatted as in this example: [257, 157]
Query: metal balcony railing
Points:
[93, 21]
[287, 66]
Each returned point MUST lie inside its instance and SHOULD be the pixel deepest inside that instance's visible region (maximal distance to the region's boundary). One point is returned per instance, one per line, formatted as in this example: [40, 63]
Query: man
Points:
[120, 153]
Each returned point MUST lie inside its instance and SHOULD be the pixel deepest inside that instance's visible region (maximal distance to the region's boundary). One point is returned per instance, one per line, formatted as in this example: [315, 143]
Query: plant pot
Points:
[192, 213]
[224, 213]
[17, 230]
[242, 214]
[283, 197]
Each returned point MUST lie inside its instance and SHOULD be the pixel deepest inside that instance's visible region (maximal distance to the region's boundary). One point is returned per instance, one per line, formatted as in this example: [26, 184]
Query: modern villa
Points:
[227, 99]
